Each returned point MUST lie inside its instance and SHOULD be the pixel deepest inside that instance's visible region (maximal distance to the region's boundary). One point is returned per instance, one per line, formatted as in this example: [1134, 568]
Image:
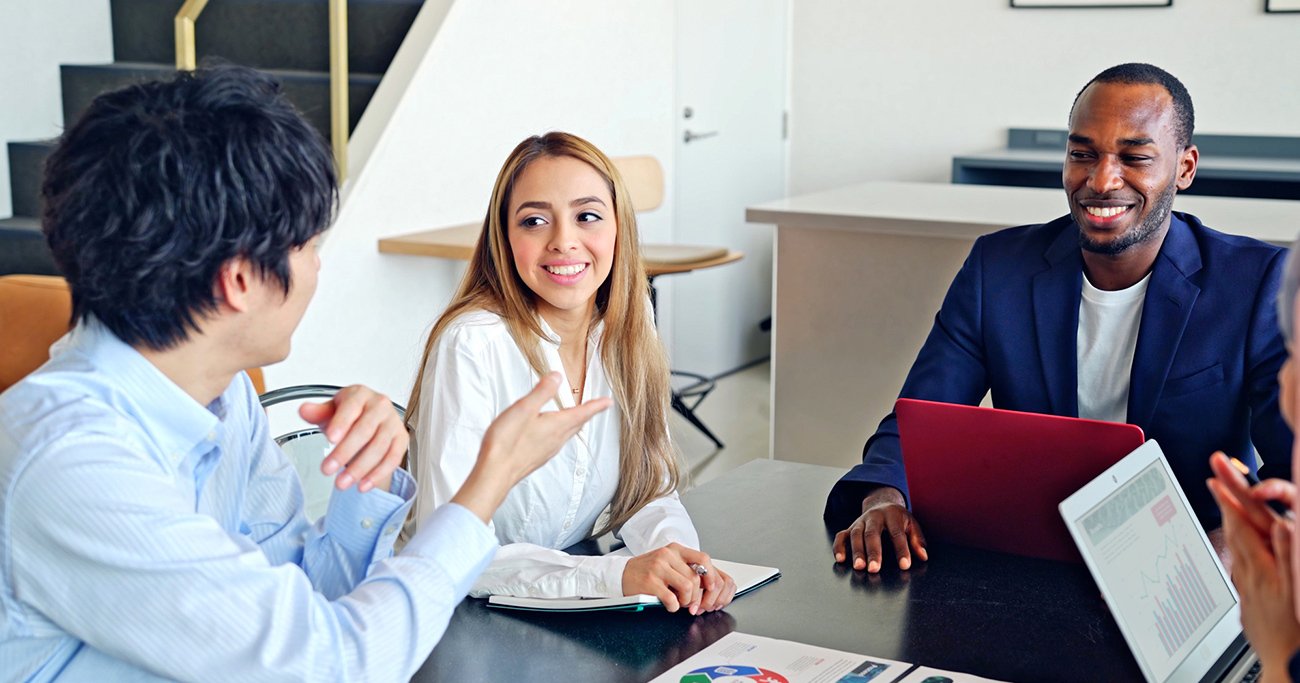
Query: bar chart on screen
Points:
[1164, 584]
[1180, 601]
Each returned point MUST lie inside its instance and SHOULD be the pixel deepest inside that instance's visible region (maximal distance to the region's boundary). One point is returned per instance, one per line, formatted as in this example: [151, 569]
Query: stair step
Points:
[267, 34]
[23, 248]
[308, 90]
[26, 162]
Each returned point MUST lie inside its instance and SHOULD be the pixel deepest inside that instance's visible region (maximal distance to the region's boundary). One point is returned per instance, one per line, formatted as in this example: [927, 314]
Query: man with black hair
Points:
[148, 524]
[1123, 310]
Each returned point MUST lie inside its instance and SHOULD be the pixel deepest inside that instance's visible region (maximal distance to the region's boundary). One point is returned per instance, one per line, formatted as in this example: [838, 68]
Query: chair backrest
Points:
[35, 310]
[306, 446]
[644, 178]
[34, 313]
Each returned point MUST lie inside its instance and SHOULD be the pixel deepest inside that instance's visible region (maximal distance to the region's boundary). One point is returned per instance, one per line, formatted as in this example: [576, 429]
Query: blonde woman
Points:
[556, 284]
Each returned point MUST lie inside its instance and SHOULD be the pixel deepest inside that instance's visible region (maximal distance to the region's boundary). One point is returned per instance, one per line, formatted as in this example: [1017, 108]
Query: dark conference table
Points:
[984, 613]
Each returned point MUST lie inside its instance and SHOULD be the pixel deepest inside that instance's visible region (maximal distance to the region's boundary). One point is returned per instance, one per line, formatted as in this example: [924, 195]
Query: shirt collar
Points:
[135, 386]
[550, 337]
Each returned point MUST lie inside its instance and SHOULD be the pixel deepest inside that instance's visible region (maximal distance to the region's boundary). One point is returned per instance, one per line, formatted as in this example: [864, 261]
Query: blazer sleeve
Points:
[950, 368]
[1266, 352]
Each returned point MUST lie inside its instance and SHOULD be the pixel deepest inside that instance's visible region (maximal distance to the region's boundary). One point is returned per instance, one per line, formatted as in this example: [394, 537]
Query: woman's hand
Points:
[719, 589]
[521, 439]
[1261, 571]
[668, 573]
[1250, 501]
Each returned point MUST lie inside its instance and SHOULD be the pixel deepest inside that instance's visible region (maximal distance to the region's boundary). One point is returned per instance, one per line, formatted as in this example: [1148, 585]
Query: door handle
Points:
[689, 136]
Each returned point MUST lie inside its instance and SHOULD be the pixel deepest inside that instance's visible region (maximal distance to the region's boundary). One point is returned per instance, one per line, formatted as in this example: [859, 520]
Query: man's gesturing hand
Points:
[368, 436]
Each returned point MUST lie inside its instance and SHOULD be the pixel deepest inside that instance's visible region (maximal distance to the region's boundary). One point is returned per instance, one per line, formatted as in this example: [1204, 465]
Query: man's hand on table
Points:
[883, 512]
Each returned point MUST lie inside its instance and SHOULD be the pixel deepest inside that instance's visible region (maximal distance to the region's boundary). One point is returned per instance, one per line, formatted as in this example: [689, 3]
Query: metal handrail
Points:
[184, 24]
[338, 11]
[339, 86]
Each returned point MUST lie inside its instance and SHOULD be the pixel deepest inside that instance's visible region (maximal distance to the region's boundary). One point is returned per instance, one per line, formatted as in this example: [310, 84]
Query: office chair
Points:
[644, 177]
[35, 310]
[307, 446]
[34, 313]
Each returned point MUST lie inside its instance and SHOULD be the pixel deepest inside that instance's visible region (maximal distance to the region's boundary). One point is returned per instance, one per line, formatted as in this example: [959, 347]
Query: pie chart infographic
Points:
[733, 673]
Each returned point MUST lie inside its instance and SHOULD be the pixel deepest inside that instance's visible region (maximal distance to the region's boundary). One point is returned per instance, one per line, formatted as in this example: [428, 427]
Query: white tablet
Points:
[1157, 571]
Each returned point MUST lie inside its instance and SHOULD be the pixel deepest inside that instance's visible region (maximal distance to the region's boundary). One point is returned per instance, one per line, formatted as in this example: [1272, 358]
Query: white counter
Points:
[860, 272]
[968, 211]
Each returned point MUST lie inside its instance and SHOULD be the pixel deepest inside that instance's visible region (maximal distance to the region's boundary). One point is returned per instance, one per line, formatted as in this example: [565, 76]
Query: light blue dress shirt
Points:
[146, 536]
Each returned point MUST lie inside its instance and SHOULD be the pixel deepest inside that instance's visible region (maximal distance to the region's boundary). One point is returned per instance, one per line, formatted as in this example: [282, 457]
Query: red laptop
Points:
[994, 478]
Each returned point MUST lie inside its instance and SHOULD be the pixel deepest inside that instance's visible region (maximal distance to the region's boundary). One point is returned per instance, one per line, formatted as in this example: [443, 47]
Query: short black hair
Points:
[1137, 73]
[160, 183]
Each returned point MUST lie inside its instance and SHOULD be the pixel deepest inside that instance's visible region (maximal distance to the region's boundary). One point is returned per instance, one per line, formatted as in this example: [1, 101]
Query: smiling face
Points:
[561, 226]
[1123, 165]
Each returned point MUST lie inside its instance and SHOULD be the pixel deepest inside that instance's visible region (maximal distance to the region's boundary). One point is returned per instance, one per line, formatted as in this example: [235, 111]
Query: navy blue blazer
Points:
[1204, 374]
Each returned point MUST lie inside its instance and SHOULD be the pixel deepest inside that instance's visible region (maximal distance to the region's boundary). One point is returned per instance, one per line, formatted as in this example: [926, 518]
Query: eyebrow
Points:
[533, 205]
[1124, 142]
[547, 205]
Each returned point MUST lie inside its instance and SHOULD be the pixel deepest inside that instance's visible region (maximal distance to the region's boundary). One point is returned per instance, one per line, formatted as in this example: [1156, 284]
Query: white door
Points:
[731, 102]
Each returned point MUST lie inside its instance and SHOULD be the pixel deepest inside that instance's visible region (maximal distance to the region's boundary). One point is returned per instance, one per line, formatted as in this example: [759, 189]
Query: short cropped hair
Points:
[1137, 73]
[161, 183]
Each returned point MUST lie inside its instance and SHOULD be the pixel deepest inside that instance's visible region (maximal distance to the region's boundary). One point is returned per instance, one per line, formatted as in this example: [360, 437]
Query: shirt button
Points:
[582, 471]
[367, 523]
[212, 436]
[390, 531]
[567, 525]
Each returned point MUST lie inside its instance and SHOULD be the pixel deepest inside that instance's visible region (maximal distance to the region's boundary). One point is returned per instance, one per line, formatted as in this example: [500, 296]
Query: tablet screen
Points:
[1149, 553]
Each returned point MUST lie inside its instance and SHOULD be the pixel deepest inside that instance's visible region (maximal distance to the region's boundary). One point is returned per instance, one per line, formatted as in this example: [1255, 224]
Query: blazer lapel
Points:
[1056, 292]
[1165, 312]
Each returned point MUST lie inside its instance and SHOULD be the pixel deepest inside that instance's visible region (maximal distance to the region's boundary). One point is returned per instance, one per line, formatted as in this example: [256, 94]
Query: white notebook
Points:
[747, 578]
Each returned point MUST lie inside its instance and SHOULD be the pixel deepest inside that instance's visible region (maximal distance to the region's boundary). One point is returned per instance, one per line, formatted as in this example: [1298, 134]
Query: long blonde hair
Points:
[633, 358]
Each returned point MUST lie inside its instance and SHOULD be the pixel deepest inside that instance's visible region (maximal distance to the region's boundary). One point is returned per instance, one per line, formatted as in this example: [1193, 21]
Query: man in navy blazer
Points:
[1124, 308]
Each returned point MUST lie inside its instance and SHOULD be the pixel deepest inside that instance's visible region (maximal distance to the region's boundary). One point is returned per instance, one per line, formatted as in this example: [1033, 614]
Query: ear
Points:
[235, 283]
[1187, 166]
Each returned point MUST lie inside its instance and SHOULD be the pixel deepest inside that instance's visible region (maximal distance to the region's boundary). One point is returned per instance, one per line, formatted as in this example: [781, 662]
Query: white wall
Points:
[892, 90]
[35, 37]
[495, 73]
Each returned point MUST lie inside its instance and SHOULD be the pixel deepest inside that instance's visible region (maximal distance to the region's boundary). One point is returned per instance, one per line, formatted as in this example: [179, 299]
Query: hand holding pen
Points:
[1261, 546]
[1259, 503]
[681, 577]
[1267, 493]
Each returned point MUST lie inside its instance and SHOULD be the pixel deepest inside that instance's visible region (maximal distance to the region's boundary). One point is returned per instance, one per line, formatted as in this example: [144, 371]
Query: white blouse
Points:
[475, 371]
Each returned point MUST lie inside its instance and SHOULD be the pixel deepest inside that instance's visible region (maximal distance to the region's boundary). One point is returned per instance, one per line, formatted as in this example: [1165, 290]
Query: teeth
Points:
[567, 270]
[1105, 211]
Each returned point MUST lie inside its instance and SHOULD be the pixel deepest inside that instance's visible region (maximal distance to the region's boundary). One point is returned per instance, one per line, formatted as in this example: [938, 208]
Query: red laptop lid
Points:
[993, 478]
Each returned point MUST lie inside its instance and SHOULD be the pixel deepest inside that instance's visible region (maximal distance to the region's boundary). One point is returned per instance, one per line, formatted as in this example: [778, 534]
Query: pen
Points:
[700, 569]
[1278, 508]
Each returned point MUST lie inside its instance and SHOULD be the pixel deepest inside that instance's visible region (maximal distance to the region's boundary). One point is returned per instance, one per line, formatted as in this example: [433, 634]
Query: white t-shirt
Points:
[1107, 337]
[475, 371]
